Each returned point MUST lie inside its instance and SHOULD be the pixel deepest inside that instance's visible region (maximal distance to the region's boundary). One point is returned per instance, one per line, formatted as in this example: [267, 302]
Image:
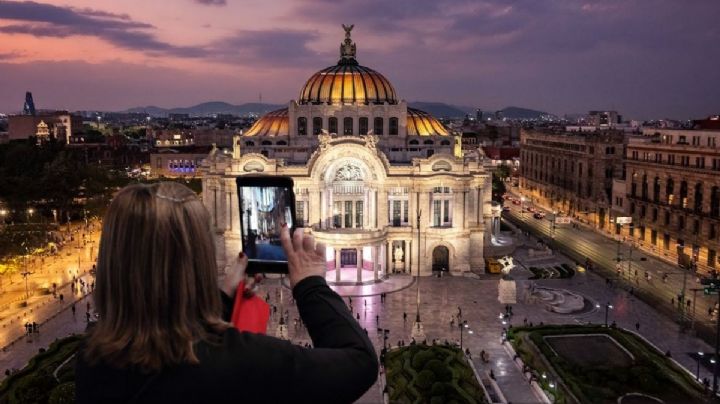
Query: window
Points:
[413, 142]
[656, 189]
[378, 126]
[393, 126]
[683, 194]
[348, 126]
[358, 214]
[300, 213]
[337, 214]
[667, 218]
[317, 125]
[158, 163]
[429, 142]
[302, 126]
[712, 232]
[681, 222]
[249, 143]
[442, 215]
[363, 125]
[696, 227]
[653, 237]
[281, 143]
[348, 214]
[332, 125]
[715, 202]
[266, 143]
[669, 189]
[654, 215]
[697, 206]
[711, 258]
[644, 187]
[445, 143]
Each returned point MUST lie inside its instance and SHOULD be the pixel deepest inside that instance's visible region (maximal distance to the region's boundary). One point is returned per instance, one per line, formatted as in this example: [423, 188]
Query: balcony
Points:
[348, 237]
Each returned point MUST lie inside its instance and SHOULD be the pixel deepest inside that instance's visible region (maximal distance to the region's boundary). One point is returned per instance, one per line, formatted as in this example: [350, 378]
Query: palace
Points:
[384, 186]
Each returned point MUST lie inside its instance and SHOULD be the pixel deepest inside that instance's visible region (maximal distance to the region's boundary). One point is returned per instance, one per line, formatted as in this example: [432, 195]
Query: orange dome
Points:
[272, 124]
[420, 123]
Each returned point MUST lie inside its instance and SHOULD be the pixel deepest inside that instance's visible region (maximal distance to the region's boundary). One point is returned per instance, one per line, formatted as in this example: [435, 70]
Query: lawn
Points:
[431, 374]
[596, 369]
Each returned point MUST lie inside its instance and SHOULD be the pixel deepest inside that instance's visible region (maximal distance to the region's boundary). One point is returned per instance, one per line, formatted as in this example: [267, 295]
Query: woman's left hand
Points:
[234, 275]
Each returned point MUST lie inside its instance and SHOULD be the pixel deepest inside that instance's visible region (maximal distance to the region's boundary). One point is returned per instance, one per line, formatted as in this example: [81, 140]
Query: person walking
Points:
[72, 308]
[637, 326]
[404, 317]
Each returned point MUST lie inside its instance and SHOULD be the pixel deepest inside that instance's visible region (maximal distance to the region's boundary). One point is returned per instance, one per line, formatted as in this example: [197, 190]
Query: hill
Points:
[439, 109]
[209, 108]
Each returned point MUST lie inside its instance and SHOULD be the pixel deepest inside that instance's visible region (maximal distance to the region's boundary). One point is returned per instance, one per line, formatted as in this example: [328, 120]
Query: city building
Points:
[572, 171]
[61, 125]
[368, 170]
[672, 190]
[603, 119]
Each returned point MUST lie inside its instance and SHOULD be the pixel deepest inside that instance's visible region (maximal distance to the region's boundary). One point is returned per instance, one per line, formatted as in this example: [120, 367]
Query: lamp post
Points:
[697, 373]
[3, 213]
[417, 332]
[608, 307]
[26, 273]
[30, 212]
[553, 223]
[462, 325]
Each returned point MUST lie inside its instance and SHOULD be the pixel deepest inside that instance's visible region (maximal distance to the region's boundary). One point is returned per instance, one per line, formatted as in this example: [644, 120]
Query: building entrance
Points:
[440, 259]
[348, 257]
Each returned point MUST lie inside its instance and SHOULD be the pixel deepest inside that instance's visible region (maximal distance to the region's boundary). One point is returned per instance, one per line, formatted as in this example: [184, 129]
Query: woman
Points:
[163, 334]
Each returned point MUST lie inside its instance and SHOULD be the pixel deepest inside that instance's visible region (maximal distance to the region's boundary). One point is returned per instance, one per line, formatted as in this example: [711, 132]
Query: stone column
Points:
[329, 207]
[375, 257]
[359, 252]
[338, 264]
[406, 256]
[382, 208]
[322, 220]
[388, 256]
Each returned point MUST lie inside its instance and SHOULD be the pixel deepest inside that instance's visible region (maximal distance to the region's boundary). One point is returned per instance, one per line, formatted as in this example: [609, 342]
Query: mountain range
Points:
[436, 109]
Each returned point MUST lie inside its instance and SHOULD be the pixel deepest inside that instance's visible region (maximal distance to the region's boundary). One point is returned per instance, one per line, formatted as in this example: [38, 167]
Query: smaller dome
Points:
[420, 123]
[272, 124]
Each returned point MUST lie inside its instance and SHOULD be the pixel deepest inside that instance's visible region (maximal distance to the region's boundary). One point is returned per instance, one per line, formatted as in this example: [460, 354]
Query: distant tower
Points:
[29, 106]
[478, 115]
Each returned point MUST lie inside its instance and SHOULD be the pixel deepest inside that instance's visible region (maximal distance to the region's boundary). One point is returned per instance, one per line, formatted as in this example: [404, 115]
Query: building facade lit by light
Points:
[364, 166]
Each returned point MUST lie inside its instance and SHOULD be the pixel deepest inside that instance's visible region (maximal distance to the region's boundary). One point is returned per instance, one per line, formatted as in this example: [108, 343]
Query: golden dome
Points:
[420, 123]
[274, 123]
[347, 82]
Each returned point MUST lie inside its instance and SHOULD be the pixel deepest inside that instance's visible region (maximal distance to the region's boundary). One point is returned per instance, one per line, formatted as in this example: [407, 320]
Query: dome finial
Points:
[347, 48]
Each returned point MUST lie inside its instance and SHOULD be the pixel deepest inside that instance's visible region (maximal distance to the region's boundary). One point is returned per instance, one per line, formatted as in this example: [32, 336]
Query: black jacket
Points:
[250, 368]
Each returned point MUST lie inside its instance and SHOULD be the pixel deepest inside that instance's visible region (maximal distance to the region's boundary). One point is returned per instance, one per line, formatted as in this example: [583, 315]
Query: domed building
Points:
[368, 170]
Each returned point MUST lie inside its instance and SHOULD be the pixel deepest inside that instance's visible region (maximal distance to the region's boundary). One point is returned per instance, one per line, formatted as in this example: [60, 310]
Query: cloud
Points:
[279, 48]
[212, 2]
[46, 20]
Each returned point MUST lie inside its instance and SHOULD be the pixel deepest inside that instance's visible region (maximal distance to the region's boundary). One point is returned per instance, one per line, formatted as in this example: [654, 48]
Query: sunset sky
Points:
[645, 58]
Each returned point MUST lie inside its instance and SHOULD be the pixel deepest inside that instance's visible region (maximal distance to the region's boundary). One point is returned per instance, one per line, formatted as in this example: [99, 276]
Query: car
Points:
[506, 209]
[538, 215]
[516, 202]
[530, 209]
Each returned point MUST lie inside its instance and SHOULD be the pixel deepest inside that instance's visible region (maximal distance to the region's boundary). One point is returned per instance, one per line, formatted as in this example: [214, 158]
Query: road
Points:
[580, 242]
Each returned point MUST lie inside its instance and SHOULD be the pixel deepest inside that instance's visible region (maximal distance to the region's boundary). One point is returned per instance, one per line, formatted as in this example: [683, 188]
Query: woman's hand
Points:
[305, 258]
[234, 275]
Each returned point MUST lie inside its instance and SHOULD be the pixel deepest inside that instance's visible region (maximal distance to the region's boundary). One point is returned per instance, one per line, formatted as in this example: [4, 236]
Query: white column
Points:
[329, 207]
[337, 264]
[322, 222]
[375, 257]
[388, 257]
[359, 251]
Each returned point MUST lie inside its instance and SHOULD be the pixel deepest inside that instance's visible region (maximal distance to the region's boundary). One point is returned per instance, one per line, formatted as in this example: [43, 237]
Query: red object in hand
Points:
[249, 313]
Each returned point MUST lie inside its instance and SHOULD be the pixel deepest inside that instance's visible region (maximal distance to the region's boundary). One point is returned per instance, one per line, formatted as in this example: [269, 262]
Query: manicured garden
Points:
[562, 271]
[38, 383]
[599, 365]
[431, 374]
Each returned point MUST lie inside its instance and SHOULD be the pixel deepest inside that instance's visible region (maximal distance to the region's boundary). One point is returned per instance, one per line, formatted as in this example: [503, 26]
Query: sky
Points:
[647, 59]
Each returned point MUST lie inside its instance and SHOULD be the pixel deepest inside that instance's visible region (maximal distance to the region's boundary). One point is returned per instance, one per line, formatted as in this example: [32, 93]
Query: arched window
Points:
[445, 143]
[332, 125]
[428, 142]
[302, 126]
[697, 206]
[249, 143]
[363, 125]
[644, 187]
[281, 143]
[715, 202]
[317, 125]
[378, 126]
[656, 189]
[348, 126]
[414, 142]
[683, 194]
[669, 190]
[393, 126]
[266, 143]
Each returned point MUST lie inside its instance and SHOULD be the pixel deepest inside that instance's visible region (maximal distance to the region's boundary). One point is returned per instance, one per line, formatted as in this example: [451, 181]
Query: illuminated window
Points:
[348, 126]
[332, 125]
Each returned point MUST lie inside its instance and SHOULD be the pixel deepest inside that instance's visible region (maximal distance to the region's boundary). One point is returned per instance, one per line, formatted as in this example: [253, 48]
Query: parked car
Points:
[538, 215]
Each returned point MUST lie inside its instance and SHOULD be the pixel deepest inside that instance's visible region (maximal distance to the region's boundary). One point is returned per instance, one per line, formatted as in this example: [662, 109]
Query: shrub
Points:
[63, 394]
[438, 389]
[425, 379]
[421, 358]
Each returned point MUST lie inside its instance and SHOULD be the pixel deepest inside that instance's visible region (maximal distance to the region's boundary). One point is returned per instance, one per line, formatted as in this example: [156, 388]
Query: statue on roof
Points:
[347, 48]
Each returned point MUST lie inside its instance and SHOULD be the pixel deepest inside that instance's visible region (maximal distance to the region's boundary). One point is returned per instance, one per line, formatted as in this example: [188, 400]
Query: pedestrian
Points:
[492, 375]
[365, 302]
[72, 308]
[525, 321]
[404, 317]
[62, 297]
[357, 315]
[637, 326]
[377, 319]
[672, 301]
[87, 316]
[88, 306]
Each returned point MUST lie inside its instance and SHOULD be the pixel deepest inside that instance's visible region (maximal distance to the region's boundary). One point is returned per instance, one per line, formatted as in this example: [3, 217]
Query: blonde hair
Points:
[156, 289]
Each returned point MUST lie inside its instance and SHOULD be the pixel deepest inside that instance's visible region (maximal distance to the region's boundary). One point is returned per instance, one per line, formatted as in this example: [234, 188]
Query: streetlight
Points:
[697, 374]
[522, 210]
[417, 331]
[553, 223]
[608, 307]
[462, 325]
[30, 212]
[3, 213]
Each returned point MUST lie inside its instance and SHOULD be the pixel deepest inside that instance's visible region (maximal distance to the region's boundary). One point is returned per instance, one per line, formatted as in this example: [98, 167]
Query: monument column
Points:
[358, 252]
[338, 264]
